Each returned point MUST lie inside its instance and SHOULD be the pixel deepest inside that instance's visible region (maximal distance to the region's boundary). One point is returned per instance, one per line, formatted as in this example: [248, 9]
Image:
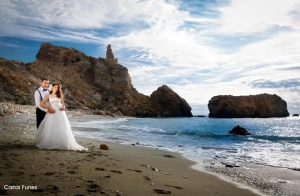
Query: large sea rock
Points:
[95, 84]
[252, 106]
[238, 130]
[169, 103]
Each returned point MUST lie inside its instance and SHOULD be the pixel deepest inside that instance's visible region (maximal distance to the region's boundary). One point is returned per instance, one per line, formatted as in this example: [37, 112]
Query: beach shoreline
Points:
[121, 170]
[263, 177]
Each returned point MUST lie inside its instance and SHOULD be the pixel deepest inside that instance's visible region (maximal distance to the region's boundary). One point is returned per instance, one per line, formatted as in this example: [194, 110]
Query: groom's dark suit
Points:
[39, 95]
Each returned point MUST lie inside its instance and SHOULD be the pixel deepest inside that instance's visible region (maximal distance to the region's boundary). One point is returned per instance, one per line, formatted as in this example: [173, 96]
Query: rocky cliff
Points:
[88, 83]
[252, 106]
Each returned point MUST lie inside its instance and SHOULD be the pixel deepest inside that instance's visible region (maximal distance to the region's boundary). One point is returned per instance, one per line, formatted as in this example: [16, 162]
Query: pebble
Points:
[154, 169]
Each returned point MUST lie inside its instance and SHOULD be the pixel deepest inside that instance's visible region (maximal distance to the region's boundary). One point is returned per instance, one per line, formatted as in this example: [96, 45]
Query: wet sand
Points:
[121, 170]
[270, 180]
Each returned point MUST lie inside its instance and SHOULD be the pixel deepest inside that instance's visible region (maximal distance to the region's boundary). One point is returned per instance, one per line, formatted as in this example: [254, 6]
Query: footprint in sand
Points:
[99, 169]
[161, 191]
[8, 165]
[51, 188]
[71, 172]
[49, 173]
[20, 174]
[97, 154]
[135, 170]
[147, 178]
[115, 171]
[94, 188]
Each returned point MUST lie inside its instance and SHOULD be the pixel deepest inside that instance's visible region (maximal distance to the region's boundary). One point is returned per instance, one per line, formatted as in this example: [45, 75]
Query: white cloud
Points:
[71, 14]
[250, 16]
[9, 44]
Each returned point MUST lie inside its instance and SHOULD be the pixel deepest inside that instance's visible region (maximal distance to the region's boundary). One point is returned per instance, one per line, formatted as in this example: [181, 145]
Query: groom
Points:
[39, 95]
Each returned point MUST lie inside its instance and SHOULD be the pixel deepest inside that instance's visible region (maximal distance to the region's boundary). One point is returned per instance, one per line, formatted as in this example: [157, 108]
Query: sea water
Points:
[275, 142]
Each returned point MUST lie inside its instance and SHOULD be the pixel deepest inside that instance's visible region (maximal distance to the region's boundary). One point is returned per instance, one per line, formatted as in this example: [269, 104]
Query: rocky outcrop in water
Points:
[100, 85]
[252, 106]
[238, 130]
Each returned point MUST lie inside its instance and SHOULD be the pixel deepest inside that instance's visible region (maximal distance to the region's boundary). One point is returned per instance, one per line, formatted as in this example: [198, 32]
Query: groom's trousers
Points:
[40, 114]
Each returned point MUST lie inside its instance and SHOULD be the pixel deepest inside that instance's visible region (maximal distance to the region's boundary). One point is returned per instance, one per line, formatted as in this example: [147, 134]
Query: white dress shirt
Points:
[37, 98]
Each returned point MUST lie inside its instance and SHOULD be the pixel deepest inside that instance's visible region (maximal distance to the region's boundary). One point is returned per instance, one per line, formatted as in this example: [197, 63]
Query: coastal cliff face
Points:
[252, 106]
[88, 83]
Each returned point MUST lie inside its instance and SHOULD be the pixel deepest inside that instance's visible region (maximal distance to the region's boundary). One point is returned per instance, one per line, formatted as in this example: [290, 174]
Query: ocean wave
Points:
[142, 129]
[214, 148]
[204, 134]
[274, 138]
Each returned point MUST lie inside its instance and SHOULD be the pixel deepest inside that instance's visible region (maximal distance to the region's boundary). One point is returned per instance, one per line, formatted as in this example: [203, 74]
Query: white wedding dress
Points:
[55, 131]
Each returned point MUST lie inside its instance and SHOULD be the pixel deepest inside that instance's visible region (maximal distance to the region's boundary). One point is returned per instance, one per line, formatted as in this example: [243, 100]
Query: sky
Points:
[199, 48]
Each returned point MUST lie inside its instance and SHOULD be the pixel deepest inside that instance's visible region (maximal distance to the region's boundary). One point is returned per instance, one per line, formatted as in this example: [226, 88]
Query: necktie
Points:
[45, 89]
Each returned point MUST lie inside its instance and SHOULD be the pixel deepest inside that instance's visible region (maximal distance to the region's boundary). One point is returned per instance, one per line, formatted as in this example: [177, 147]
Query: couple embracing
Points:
[53, 127]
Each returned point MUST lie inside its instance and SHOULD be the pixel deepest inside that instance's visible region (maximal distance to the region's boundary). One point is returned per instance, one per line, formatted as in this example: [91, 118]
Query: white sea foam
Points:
[98, 124]
[143, 129]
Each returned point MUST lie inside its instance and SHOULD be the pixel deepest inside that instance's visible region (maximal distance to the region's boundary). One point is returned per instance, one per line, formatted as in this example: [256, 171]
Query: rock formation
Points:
[168, 103]
[252, 106]
[237, 130]
[88, 83]
[110, 55]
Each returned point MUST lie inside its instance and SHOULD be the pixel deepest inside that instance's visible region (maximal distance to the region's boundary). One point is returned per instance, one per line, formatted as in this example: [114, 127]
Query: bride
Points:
[55, 131]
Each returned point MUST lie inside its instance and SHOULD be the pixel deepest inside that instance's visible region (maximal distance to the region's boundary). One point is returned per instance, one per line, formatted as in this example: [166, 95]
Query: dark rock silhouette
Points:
[239, 131]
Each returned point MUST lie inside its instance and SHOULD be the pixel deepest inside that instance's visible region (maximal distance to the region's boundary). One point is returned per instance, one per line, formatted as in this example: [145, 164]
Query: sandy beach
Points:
[121, 170]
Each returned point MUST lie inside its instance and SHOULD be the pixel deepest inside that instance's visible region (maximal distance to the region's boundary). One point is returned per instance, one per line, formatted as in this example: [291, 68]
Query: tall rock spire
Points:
[110, 55]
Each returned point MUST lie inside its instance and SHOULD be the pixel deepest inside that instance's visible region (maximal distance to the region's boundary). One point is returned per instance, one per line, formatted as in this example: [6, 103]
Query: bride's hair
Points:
[59, 93]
